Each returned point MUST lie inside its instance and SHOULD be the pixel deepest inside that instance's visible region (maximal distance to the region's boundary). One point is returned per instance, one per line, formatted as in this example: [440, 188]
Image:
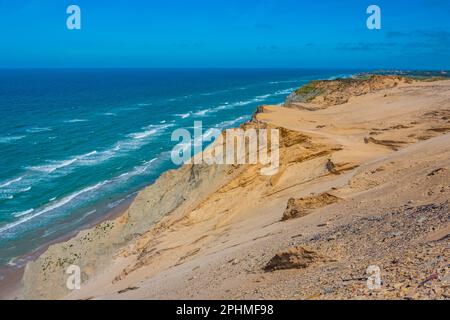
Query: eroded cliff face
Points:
[176, 193]
[93, 249]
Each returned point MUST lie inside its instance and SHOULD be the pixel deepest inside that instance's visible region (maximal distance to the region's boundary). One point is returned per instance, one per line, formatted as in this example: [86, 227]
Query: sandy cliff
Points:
[364, 180]
[325, 93]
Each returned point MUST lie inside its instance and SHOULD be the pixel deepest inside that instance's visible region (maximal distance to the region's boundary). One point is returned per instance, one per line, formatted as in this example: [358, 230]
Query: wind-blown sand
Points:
[367, 180]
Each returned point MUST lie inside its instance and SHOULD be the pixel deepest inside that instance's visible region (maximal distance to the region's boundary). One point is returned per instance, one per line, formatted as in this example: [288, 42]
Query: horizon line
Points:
[219, 68]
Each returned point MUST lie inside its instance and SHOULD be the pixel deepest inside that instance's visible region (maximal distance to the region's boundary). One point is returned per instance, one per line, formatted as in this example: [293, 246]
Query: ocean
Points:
[75, 143]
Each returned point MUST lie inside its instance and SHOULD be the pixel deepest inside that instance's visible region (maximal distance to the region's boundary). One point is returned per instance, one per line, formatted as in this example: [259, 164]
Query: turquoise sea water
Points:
[76, 143]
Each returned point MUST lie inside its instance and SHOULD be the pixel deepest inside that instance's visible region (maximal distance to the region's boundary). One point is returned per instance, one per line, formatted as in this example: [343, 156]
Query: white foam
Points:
[87, 214]
[274, 94]
[58, 164]
[144, 134]
[25, 190]
[9, 139]
[136, 171]
[183, 115]
[286, 91]
[89, 154]
[256, 99]
[97, 157]
[10, 182]
[76, 120]
[246, 102]
[115, 203]
[53, 167]
[22, 213]
[52, 207]
[90, 212]
[230, 123]
[123, 175]
[222, 107]
[283, 81]
[149, 131]
[202, 112]
[143, 168]
[38, 129]
[109, 114]
[10, 263]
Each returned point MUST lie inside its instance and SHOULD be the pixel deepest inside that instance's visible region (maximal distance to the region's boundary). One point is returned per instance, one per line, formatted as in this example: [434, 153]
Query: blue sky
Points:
[415, 34]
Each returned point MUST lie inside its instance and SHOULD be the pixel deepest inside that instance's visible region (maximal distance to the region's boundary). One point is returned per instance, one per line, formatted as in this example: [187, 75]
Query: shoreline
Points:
[11, 276]
[146, 194]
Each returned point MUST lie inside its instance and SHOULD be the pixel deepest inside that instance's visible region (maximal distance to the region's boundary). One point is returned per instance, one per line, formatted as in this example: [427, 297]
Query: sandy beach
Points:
[364, 181]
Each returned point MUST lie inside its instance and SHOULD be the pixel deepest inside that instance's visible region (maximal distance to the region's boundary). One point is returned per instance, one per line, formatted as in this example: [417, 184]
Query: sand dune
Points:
[364, 180]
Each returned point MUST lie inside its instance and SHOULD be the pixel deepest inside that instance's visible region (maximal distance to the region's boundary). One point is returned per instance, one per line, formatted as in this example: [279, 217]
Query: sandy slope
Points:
[384, 156]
